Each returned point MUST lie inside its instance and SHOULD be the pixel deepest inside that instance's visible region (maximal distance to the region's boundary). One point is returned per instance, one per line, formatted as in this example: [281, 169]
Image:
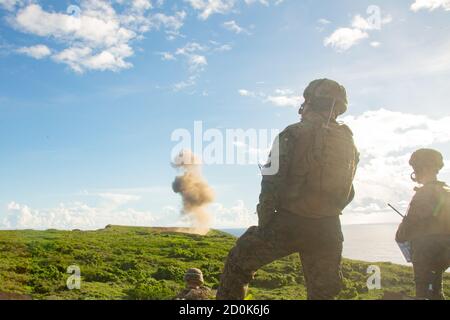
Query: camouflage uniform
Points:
[319, 242]
[427, 227]
[431, 257]
[284, 229]
[200, 293]
[195, 290]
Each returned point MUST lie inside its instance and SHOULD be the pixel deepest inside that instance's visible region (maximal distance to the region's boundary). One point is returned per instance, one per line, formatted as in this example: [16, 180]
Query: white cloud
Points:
[167, 56]
[182, 85]
[344, 38]
[172, 23]
[77, 215]
[430, 5]
[433, 60]
[284, 100]
[141, 5]
[197, 62]
[361, 23]
[195, 57]
[323, 21]
[383, 132]
[264, 2]
[210, 7]
[375, 44]
[10, 4]
[223, 48]
[38, 51]
[246, 93]
[237, 216]
[322, 24]
[190, 48]
[96, 26]
[114, 209]
[370, 24]
[284, 91]
[233, 26]
[97, 37]
[386, 140]
[280, 97]
[82, 58]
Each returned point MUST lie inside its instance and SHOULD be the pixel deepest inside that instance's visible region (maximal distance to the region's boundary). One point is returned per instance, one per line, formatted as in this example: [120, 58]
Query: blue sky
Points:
[90, 96]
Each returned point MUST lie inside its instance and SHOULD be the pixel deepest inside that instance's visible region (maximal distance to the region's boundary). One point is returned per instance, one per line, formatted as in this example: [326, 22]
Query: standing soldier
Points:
[300, 204]
[427, 225]
[195, 289]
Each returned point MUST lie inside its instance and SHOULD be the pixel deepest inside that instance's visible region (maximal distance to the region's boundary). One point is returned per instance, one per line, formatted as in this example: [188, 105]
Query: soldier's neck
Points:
[428, 180]
[316, 117]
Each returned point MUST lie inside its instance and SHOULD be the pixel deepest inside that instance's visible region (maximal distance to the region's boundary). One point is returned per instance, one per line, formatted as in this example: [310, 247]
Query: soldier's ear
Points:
[303, 107]
[300, 110]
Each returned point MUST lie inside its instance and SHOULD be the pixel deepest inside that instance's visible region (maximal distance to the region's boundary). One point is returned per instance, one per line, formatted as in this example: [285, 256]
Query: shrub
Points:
[128, 265]
[98, 276]
[185, 254]
[152, 290]
[272, 281]
[349, 290]
[169, 273]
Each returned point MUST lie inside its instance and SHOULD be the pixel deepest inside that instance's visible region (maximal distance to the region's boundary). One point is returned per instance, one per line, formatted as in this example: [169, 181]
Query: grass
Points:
[148, 263]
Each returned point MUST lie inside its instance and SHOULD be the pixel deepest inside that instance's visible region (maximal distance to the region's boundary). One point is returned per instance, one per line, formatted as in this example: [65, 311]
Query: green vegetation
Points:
[149, 263]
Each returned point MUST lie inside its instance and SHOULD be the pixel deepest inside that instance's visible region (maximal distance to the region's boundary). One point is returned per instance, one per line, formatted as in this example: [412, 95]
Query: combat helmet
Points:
[427, 158]
[326, 95]
[194, 275]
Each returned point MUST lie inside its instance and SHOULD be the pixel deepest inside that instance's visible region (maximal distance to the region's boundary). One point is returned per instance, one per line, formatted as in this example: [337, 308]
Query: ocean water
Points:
[371, 242]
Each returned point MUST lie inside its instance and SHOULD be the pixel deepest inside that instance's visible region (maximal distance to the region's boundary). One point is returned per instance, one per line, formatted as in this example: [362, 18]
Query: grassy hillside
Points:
[149, 263]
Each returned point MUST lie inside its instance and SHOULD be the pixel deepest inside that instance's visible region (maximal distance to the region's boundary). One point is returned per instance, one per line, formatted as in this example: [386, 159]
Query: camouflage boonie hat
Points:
[424, 158]
[325, 94]
[194, 274]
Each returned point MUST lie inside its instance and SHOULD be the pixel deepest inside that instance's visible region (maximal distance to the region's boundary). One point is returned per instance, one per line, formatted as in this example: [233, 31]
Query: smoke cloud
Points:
[195, 192]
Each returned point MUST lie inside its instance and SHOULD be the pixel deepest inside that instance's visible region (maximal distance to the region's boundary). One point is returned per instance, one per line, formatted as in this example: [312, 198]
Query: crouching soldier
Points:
[306, 184]
[195, 290]
[427, 225]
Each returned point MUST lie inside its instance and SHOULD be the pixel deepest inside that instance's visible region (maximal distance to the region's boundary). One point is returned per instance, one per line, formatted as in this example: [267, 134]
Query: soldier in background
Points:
[300, 205]
[195, 289]
[427, 225]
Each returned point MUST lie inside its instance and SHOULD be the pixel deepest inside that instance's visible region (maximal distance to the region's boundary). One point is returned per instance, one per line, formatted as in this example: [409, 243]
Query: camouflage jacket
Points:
[200, 293]
[428, 213]
[293, 144]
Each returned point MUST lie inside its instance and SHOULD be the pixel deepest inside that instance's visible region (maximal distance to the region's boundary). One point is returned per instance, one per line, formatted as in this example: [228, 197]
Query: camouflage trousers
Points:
[318, 241]
[431, 257]
[200, 293]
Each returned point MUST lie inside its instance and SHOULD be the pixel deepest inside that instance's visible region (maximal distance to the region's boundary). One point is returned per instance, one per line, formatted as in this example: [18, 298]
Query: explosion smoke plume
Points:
[195, 192]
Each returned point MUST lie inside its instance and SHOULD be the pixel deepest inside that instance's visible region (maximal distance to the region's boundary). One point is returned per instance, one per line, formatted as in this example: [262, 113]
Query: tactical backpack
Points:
[442, 212]
[438, 221]
[323, 176]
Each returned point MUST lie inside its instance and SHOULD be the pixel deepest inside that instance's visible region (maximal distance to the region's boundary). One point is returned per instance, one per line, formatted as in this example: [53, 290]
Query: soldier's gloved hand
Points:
[265, 214]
